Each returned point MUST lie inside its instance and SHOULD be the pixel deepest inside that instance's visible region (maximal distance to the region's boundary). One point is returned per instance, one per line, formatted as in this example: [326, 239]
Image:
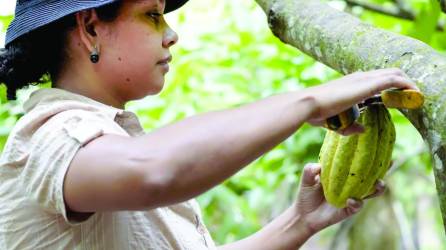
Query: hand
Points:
[336, 96]
[314, 209]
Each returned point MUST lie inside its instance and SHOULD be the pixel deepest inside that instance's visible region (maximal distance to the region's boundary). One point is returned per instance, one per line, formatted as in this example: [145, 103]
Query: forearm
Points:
[201, 151]
[288, 231]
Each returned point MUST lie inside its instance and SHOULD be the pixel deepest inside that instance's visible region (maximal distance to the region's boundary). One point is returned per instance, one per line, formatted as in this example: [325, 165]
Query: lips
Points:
[164, 64]
[166, 60]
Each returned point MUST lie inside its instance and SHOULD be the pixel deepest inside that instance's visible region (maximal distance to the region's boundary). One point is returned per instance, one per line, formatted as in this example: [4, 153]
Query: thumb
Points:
[310, 174]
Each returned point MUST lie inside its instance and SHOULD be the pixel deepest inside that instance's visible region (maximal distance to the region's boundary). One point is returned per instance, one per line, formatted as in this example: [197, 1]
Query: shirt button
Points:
[201, 229]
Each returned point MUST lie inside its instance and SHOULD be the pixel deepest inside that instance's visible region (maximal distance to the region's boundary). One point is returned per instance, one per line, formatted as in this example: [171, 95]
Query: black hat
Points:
[33, 14]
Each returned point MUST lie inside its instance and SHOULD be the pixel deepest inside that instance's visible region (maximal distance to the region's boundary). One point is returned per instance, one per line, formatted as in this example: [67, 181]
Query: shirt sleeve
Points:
[53, 147]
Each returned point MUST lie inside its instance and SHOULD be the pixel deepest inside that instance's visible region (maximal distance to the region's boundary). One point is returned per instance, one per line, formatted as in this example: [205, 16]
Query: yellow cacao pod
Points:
[351, 165]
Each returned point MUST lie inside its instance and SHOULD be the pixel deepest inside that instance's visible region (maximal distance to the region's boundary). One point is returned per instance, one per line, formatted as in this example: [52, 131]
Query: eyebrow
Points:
[147, 3]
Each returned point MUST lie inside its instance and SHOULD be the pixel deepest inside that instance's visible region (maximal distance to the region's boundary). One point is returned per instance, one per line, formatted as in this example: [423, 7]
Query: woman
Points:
[78, 171]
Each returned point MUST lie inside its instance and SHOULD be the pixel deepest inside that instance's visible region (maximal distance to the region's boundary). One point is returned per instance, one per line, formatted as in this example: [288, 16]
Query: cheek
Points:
[133, 73]
[125, 70]
[133, 59]
[130, 62]
[137, 49]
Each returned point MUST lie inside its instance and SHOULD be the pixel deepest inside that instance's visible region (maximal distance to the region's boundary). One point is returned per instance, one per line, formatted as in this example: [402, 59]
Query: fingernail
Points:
[314, 168]
[317, 179]
[380, 184]
[354, 203]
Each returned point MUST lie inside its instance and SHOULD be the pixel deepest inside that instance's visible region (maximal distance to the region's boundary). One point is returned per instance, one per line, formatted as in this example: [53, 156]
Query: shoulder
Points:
[65, 116]
[56, 106]
[38, 121]
[42, 126]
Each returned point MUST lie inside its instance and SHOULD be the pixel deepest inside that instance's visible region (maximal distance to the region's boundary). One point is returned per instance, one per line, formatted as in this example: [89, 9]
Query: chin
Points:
[146, 89]
[156, 88]
[153, 91]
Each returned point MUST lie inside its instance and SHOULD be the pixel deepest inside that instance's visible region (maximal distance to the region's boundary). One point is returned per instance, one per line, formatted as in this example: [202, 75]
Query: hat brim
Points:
[35, 14]
[172, 5]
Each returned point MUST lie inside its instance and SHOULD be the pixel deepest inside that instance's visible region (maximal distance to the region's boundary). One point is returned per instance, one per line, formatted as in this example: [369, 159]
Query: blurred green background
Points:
[227, 56]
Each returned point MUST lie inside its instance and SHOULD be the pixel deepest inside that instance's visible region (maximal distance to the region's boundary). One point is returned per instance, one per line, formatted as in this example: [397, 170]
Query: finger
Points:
[310, 173]
[395, 81]
[353, 206]
[389, 71]
[317, 123]
[355, 128]
[399, 72]
[380, 188]
[379, 73]
[317, 179]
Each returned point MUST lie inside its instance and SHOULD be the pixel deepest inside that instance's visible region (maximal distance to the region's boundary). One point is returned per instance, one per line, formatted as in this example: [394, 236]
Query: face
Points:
[135, 49]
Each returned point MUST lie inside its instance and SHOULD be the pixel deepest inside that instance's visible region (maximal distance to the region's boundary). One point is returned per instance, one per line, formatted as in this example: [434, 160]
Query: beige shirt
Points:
[32, 169]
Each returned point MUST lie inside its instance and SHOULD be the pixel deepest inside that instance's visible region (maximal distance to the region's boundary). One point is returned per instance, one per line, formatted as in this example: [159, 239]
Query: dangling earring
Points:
[94, 55]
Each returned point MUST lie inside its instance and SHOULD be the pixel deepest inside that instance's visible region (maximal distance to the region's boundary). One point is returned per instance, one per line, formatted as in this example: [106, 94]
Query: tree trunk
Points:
[346, 44]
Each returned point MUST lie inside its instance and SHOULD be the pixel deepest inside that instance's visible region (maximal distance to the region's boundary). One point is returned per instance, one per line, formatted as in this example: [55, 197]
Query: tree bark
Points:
[346, 44]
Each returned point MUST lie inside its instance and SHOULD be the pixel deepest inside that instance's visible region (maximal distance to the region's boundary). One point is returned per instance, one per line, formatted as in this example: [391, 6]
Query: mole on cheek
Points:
[119, 58]
[127, 79]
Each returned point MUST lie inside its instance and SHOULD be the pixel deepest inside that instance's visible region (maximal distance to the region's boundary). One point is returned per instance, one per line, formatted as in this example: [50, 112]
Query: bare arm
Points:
[182, 160]
[287, 232]
[185, 159]
[307, 216]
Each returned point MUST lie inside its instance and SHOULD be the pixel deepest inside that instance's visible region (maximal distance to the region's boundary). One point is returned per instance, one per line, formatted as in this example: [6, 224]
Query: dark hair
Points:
[38, 56]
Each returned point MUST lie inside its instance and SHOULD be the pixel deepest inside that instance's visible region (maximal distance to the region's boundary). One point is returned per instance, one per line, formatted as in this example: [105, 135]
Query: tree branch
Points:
[402, 4]
[347, 45]
[400, 10]
[394, 10]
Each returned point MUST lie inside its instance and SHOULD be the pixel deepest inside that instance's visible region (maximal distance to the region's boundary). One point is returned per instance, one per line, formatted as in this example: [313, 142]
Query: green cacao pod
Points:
[351, 165]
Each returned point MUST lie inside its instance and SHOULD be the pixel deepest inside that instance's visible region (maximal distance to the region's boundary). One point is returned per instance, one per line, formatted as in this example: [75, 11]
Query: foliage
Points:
[226, 57]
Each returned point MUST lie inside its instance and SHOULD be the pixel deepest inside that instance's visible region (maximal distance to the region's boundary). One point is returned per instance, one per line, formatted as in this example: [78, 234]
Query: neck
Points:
[87, 85]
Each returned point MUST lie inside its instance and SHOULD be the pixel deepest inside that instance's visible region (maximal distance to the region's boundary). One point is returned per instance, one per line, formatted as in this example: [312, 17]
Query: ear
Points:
[87, 21]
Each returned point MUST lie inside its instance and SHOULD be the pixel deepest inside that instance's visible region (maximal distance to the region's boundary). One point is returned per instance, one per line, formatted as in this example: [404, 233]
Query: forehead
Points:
[131, 6]
[146, 3]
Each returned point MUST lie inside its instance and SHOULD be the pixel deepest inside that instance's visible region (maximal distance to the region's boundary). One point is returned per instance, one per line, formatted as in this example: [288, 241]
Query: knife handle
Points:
[402, 98]
[391, 98]
[343, 119]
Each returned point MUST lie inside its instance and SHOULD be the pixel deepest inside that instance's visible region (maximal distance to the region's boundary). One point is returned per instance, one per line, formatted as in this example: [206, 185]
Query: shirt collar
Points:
[51, 95]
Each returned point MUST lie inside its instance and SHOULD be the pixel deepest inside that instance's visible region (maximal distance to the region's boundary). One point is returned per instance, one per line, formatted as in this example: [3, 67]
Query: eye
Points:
[155, 16]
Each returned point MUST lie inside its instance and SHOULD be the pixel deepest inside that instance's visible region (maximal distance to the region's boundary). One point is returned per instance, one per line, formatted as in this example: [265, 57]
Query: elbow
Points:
[156, 179]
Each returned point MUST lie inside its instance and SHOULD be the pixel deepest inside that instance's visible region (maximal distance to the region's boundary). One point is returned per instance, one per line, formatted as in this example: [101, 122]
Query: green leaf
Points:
[426, 21]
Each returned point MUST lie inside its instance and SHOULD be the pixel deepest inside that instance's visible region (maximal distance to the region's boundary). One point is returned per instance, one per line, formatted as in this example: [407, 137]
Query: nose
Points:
[170, 38]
